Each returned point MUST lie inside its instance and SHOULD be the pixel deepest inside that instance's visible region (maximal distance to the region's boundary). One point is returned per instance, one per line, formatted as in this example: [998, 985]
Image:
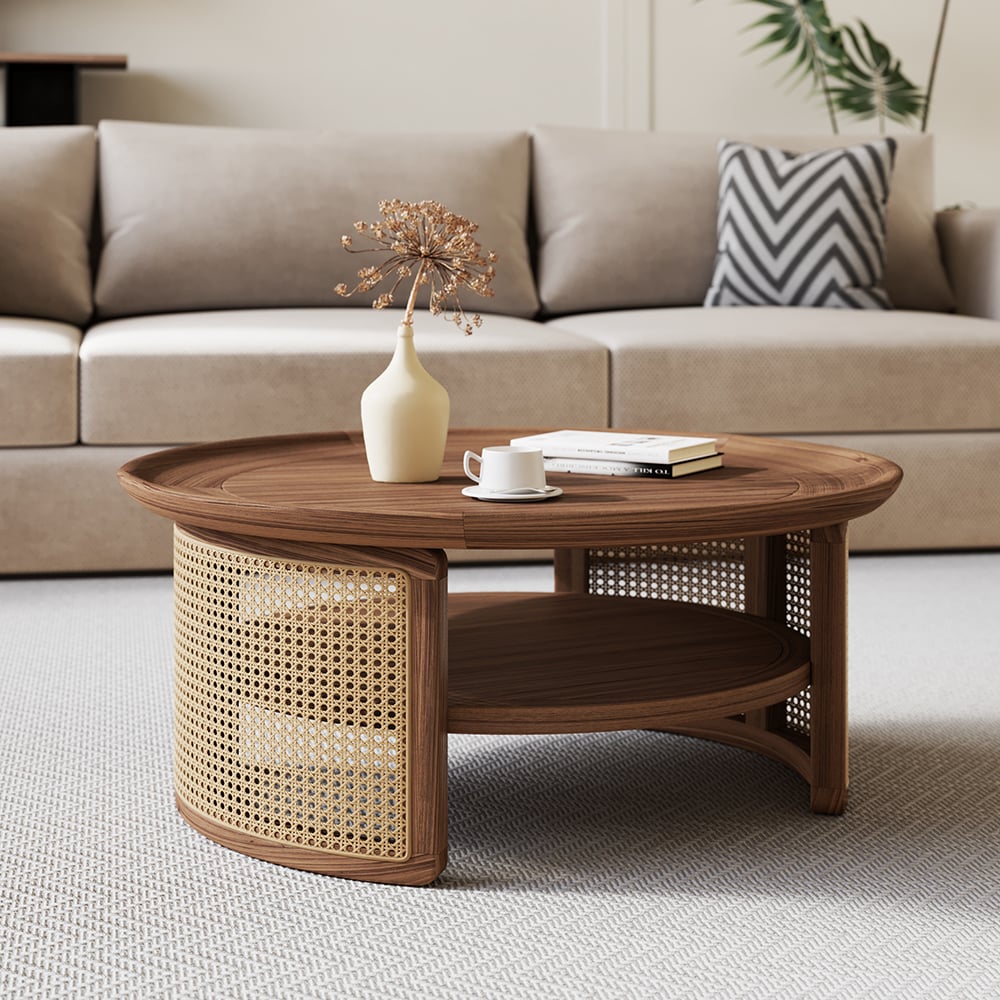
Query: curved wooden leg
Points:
[311, 703]
[828, 689]
[799, 580]
[570, 571]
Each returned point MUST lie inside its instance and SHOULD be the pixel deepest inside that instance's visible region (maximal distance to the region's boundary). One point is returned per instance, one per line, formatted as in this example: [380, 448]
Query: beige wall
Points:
[665, 64]
[702, 76]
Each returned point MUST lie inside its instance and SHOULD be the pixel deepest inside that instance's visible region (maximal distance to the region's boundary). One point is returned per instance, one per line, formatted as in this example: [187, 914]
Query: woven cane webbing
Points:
[798, 616]
[710, 573]
[797, 586]
[291, 698]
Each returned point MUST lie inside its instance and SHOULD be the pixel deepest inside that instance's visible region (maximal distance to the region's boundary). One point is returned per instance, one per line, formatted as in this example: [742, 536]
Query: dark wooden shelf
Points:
[86, 60]
[42, 88]
[566, 663]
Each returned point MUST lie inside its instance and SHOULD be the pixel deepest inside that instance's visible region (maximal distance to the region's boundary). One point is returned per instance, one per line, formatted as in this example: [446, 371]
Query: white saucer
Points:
[478, 493]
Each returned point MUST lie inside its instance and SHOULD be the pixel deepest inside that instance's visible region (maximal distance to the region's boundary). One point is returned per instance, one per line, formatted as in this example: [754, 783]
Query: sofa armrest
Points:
[970, 248]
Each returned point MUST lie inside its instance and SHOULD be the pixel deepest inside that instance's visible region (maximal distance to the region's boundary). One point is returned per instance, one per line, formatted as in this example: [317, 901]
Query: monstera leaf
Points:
[857, 74]
[869, 82]
[800, 28]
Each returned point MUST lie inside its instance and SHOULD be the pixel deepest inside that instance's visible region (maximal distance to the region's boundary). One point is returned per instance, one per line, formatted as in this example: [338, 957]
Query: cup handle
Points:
[466, 460]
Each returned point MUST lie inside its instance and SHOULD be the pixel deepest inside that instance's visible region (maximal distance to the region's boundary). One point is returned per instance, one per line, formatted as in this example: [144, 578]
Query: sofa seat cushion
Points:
[198, 217]
[38, 382]
[184, 377]
[627, 220]
[46, 209]
[787, 370]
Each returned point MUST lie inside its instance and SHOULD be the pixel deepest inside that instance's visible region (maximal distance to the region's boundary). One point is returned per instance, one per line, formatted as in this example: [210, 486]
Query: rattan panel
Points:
[291, 698]
[797, 583]
[798, 615]
[710, 573]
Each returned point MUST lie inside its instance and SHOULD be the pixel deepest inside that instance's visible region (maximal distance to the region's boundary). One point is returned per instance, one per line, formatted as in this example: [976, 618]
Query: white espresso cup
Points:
[507, 467]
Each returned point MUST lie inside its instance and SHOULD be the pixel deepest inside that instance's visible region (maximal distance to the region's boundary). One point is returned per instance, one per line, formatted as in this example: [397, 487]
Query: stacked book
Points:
[611, 453]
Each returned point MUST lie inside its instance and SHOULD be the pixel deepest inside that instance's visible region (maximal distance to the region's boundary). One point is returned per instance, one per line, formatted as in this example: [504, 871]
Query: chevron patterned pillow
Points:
[802, 230]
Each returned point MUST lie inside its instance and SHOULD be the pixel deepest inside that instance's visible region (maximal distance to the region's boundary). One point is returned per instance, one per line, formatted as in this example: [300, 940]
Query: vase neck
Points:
[405, 357]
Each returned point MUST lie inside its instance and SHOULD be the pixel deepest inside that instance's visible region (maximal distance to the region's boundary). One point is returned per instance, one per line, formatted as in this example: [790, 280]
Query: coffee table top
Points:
[316, 487]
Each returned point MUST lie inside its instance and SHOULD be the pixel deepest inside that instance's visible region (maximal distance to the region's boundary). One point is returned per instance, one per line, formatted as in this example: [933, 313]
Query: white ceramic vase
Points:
[404, 417]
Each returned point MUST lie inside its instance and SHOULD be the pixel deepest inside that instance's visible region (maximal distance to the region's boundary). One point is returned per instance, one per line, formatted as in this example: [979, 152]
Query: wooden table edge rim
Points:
[211, 509]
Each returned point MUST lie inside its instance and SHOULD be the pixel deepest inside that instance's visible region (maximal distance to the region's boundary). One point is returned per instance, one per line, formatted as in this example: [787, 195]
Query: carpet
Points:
[629, 864]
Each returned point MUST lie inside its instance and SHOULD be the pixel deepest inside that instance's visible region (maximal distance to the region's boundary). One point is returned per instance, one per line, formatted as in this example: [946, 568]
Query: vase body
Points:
[404, 418]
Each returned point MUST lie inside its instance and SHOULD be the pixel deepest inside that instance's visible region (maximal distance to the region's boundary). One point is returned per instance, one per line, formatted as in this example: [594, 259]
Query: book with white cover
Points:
[657, 449]
[652, 470]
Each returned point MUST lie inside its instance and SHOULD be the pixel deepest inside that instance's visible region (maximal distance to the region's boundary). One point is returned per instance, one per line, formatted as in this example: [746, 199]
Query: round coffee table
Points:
[320, 661]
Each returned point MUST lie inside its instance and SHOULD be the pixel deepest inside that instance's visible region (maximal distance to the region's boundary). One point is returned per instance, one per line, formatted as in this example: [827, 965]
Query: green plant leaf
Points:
[799, 27]
[869, 83]
[857, 74]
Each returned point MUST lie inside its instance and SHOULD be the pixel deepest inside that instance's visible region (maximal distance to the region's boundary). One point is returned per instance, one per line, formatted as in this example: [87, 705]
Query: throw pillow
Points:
[802, 230]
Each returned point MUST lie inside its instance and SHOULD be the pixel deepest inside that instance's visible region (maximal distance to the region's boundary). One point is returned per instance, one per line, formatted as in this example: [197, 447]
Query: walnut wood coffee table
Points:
[320, 661]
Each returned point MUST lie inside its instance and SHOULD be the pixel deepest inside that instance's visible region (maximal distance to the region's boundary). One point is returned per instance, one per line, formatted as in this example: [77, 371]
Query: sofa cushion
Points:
[947, 499]
[62, 510]
[627, 219]
[970, 249]
[199, 217]
[183, 377]
[788, 370]
[804, 229]
[38, 382]
[46, 209]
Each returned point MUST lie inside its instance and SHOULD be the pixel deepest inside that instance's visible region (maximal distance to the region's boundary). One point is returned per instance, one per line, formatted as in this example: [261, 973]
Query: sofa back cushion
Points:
[46, 209]
[628, 219]
[198, 217]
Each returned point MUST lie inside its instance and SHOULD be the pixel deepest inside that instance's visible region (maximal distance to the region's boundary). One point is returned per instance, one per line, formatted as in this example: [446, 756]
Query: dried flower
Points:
[433, 246]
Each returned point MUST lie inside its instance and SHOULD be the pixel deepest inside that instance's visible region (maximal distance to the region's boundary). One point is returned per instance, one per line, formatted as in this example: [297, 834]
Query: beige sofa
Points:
[168, 284]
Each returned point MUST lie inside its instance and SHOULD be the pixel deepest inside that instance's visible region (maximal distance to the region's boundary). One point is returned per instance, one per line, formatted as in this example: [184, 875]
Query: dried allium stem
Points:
[412, 301]
[442, 246]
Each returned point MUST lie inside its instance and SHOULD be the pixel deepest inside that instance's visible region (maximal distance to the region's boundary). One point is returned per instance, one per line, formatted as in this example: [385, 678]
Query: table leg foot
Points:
[419, 869]
[828, 801]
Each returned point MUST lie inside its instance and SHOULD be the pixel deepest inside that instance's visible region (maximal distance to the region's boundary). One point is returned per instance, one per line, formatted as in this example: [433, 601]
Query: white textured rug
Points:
[615, 865]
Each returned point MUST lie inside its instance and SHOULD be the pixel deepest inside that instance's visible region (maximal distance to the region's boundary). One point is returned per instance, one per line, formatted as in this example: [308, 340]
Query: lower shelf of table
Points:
[565, 663]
